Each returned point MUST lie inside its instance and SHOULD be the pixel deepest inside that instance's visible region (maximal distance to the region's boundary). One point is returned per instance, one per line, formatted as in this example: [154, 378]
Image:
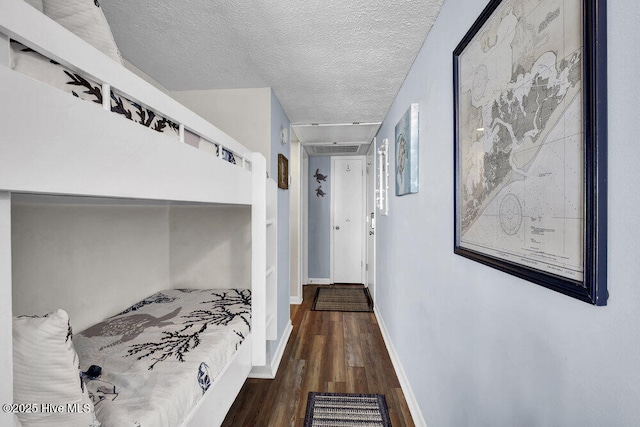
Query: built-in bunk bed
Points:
[122, 214]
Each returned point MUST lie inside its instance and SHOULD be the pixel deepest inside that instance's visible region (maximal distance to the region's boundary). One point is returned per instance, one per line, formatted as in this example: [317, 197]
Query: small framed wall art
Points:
[407, 152]
[283, 172]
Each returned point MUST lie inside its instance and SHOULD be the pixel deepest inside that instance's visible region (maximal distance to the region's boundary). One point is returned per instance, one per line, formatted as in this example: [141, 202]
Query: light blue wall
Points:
[278, 120]
[484, 348]
[319, 222]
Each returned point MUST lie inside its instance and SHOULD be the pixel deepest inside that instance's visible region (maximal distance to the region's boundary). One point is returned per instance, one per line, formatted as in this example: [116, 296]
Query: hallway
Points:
[327, 352]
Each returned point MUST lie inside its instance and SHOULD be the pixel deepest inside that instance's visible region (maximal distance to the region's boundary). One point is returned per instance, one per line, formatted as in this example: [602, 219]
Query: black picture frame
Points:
[591, 287]
[283, 172]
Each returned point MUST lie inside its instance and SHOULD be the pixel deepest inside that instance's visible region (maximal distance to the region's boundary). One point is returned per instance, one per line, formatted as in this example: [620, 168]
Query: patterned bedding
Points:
[39, 67]
[153, 362]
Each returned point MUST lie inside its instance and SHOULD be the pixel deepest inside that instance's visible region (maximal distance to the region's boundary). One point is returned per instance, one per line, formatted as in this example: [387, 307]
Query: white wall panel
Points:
[90, 260]
[210, 247]
[244, 114]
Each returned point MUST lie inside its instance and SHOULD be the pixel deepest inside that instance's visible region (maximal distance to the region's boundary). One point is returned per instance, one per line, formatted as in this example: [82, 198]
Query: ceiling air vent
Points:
[335, 149]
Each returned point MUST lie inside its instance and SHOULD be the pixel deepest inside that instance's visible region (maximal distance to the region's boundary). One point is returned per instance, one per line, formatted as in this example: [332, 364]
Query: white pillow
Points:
[46, 372]
[85, 19]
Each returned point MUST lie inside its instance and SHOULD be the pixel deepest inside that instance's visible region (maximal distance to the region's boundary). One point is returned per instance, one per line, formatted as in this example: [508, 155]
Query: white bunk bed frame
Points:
[79, 149]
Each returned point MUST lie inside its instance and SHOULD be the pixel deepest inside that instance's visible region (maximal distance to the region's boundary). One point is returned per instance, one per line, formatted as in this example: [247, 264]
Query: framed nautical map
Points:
[530, 143]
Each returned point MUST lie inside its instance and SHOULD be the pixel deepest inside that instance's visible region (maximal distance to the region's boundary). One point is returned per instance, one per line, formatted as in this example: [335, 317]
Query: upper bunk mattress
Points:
[160, 356]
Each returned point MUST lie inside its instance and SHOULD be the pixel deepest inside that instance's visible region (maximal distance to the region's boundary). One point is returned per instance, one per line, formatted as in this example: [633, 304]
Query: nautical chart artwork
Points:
[520, 152]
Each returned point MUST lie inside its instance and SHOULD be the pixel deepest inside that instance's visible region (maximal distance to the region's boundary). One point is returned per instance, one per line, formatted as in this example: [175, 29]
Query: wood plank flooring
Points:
[327, 352]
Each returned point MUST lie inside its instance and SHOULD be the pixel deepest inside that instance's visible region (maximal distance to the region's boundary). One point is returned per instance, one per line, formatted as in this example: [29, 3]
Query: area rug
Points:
[333, 298]
[346, 410]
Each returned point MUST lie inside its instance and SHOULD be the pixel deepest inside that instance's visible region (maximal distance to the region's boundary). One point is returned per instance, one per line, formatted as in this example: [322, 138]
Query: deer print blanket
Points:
[149, 365]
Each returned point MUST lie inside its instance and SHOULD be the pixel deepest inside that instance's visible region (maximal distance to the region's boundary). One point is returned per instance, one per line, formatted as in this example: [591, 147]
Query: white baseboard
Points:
[416, 413]
[295, 300]
[269, 371]
[312, 281]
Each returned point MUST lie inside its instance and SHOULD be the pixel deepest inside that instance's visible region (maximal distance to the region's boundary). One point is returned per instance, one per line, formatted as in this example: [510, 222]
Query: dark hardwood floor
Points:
[327, 352]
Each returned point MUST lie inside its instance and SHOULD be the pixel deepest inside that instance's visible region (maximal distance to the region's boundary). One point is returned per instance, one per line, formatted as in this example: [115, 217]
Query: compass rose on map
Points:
[510, 214]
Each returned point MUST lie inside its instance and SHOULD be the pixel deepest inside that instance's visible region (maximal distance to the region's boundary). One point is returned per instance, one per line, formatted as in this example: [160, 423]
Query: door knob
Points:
[337, 227]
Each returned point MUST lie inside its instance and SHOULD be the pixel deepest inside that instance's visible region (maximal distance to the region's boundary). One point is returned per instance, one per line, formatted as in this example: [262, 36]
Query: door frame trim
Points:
[363, 204]
[371, 194]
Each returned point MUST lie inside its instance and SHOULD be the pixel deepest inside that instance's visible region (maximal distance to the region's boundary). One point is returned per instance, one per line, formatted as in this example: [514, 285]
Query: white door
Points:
[348, 219]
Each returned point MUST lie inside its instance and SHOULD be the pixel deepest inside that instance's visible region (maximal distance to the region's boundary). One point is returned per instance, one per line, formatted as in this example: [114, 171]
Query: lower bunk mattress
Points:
[150, 364]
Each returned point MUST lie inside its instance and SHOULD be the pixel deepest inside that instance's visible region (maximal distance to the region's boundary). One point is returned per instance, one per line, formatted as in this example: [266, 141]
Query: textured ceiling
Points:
[327, 61]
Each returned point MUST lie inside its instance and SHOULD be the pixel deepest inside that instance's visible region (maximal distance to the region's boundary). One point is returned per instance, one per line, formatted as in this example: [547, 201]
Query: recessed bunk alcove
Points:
[94, 257]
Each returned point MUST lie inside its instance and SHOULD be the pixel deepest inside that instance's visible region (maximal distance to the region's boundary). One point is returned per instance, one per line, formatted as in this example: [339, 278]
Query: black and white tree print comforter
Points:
[158, 357]
[39, 67]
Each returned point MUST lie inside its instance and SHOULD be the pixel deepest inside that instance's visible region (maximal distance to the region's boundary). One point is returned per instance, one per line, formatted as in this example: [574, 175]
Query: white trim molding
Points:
[295, 300]
[270, 371]
[6, 352]
[412, 403]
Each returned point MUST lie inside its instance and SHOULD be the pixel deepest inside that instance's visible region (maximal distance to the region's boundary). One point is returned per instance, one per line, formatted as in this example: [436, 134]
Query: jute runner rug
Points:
[348, 298]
